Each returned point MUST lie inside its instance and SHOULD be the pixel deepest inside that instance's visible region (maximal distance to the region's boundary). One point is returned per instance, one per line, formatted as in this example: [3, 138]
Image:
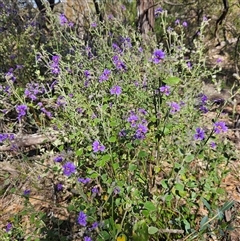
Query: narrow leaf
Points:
[203, 222]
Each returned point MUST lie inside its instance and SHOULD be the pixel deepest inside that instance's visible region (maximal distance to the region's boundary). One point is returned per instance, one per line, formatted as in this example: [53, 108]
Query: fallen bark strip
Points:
[180, 231]
[30, 140]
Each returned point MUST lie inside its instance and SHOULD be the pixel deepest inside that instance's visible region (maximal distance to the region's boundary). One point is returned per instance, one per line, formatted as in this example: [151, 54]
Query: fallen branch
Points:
[30, 140]
[180, 231]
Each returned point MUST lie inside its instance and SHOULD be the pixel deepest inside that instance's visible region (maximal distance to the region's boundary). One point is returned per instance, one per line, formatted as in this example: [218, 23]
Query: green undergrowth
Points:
[134, 150]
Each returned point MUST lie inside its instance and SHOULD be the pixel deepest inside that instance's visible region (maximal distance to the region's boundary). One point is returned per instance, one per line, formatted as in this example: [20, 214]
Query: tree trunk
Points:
[145, 9]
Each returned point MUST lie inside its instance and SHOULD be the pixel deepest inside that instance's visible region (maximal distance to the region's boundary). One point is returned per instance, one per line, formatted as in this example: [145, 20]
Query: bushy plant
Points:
[135, 147]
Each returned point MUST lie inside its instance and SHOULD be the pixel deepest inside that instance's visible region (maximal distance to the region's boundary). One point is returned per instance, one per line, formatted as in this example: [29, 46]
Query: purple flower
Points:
[55, 59]
[175, 107]
[122, 133]
[87, 74]
[203, 98]
[97, 146]
[11, 137]
[70, 24]
[139, 135]
[3, 137]
[59, 187]
[58, 159]
[110, 17]
[177, 22]
[141, 131]
[165, 89]
[126, 42]
[84, 180]
[26, 192]
[219, 60]
[142, 111]
[116, 190]
[63, 20]
[47, 113]
[55, 68]
[87, 238]
[7, 89]
[94, 225]
[185, 24]
[116, 48]
[105, 75]
[82, 219]
[55, 64]
[79, 110]
[116, 90]
[213, 145]
[32, 90]
[89, 52]
[10, 75]
[21, 110]
[52, 86]
[93, 25]
[203, 109]
[123, 7]
[69, 168]
[118, 63]
[95, 190]
[200, 134]
[158, 56]
[205, 18]
[61, 101]
[220, 127]
[189, 65]
[132, 119]
[19, 66]
[142, 128]
[158, 11]
[9, 227]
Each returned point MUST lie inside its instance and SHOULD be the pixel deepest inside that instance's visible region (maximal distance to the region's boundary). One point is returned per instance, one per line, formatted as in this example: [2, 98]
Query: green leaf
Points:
[94, 175]
[189, 158]
[145, 213]
[172, 80]
[104, 235]
[206, 204]
[179, 187]
[115, 166]
[150, 206]
[112, 139]
[106, 157]
[152, 230]
[100, 163]
[132, 167]
[60, 148]
[220, 191]
[187, 225]
[168, 198]
[71, 207]
[164, 184]
[220, 214]
[177, 165]
[142, 154]
[113, 123]
[79, 152]
[103, 160]
[227, 205]
[104, 107]
[203, 222]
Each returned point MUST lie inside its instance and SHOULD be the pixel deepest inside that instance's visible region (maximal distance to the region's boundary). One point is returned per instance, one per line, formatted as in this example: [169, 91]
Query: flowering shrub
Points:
[134, 146]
